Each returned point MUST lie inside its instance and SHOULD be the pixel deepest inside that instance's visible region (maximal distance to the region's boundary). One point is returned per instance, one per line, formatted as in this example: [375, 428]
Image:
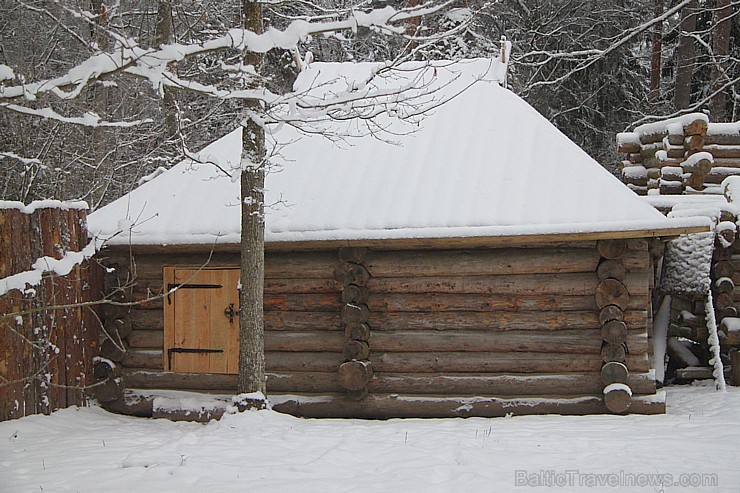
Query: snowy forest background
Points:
[593, 68]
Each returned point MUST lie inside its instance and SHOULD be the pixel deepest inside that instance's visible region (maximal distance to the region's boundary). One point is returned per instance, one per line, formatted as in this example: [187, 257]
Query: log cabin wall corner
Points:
[379, 333]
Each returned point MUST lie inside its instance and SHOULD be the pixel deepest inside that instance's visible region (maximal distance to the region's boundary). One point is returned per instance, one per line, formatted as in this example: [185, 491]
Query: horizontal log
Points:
[462, 384]
[495, 321]
[561, 284]
[494, 362]
[722, 139]
[302, 321]
[146, 339]
[504, 261]
[146, 319]
[308, 286]
[383, 406]
[144, 358]
[283, 294]
[385, 321]
[294, 382]
[307, 265]
[565, 341]
[440, 302]
[300, 302]
[304, 341]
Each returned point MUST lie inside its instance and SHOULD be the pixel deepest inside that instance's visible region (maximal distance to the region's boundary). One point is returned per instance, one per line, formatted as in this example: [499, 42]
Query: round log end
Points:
[352, 313]
[114, 351]
[354, 294]
[614, 372]
[118, 328]
[355, 375]
[613, 352]
[611, 249]
[348, 273]
[614, 332]
[611, 269]
[356, 255]
[358, 395]
[108, 390]
[612, 292]
[357, 331]
[356, 350]
[609, 313]
[617, 397]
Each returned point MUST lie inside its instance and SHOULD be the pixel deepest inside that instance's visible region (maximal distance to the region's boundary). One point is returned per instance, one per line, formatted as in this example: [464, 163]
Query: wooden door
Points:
[201, 320]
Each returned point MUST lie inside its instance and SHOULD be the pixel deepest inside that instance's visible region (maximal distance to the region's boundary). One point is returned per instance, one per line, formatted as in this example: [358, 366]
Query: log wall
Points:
[47, 341]
[372, 333]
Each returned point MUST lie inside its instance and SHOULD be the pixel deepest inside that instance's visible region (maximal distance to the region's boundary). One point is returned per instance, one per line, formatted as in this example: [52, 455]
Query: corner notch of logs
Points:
[352, 275]
[612, 299]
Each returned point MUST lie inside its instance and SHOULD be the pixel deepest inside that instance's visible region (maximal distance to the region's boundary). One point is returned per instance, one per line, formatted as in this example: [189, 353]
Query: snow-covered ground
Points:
[88, 449]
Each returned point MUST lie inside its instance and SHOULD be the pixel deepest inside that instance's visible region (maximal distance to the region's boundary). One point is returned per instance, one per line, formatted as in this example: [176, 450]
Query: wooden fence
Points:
[47, 336]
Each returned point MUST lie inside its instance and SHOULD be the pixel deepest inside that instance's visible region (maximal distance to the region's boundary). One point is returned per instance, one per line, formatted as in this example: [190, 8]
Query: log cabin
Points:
[457, 266]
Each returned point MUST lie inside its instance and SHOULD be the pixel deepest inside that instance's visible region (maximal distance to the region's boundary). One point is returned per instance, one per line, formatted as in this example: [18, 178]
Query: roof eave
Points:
[424, 243]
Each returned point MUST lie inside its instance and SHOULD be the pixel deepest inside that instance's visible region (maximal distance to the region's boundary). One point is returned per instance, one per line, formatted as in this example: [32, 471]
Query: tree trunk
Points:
[164, 35]
[251, 315]
[721, 48]
[655, 58]
[685, 57]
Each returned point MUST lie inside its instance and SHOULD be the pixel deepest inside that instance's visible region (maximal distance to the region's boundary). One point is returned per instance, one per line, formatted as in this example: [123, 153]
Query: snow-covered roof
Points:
[485, 163]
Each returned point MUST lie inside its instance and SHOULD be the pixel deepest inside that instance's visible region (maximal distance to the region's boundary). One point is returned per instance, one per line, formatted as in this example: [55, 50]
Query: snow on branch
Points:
[129, 57]
[26, 280]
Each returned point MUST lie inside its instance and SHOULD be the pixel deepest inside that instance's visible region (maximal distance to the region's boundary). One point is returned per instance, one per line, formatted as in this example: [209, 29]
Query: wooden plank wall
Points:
[46, 345]
[507, 322]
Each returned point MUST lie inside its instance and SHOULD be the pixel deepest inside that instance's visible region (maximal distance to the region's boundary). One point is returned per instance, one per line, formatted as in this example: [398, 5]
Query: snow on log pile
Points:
[47, 340]
[686, 154]
[696, 267]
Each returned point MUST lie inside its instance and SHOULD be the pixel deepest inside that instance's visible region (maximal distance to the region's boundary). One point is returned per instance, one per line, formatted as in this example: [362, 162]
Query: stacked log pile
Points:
[680, 155]
[384, 333]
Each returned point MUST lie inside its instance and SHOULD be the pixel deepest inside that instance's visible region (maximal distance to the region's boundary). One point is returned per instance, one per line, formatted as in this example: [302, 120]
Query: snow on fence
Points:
[48, 335]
